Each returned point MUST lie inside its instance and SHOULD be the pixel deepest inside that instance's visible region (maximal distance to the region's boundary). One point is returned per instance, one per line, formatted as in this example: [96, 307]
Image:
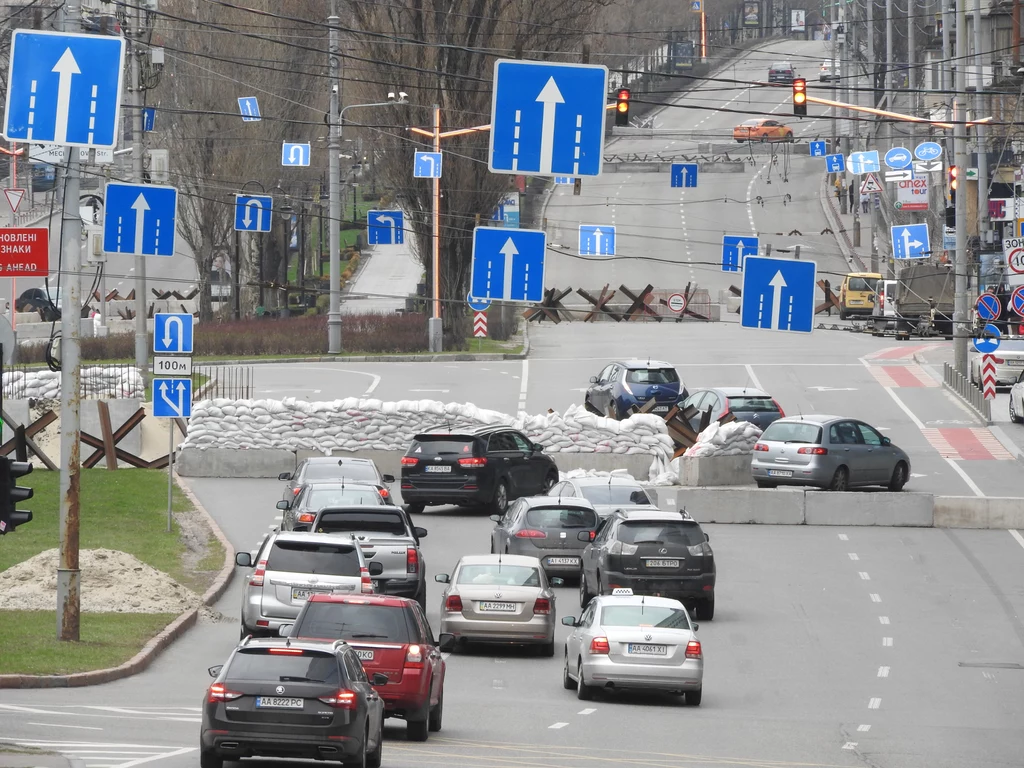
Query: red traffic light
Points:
[623, 105]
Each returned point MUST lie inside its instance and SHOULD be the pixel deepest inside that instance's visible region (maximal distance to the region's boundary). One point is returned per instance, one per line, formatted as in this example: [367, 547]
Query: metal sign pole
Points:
[170, 472]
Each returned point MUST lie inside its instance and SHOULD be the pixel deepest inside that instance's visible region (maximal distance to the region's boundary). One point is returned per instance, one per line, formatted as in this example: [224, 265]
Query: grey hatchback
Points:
[555, 531]
[831, 452]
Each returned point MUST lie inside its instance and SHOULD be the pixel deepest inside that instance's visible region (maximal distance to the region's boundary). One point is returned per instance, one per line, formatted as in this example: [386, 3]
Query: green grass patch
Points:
[29, 640]
[488, 345]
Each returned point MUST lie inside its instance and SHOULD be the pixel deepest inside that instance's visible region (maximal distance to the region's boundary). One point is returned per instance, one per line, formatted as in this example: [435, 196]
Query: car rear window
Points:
[352, 621]
[349, 522]
[652, 376]
[331, 471]
[318, 498]
[314, 557]
[757, 404]
[442, 446]
[859, 284]
[259, 664]
[495, 575]
[561, 517]
[792, 432]
[615, 494]
[659, 532]
[644, 616]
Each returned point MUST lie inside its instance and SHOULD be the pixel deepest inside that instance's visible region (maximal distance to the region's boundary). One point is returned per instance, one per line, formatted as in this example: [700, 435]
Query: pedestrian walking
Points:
[865, 201]
[828, 297]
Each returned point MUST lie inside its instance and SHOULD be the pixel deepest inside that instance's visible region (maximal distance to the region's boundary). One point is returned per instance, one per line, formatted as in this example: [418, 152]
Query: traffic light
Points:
[622, 107]
[954, 182]
[11, 493]
[800, 97]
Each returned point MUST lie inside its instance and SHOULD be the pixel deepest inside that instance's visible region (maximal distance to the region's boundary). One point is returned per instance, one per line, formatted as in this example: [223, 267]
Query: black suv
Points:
[481, 465]
[285, 698]
[652, 553]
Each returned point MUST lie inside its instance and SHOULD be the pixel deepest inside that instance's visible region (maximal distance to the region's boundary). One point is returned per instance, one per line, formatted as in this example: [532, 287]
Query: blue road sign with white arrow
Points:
[864, 162]
[562, 180]
[835, 163]
[898, 158]
[253, 213]
[148, 119]
[249, 108]
[385, 227]
[735, 249]
[477, 305]
[172, 398]
[910, 241]
[818, 148]
[928, 150]
[508, 264]
[547, 118]
[64, 88]
[597, 240]
[139, 219]
[294, 154]
[988, 307]
[684, 174]
[778, 294]
[172, 332]
[427, 165]
[988, 343]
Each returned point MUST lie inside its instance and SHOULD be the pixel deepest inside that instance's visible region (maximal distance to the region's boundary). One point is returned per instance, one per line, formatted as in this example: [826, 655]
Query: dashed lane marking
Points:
[865, 576]
[850, 745]
[587, 711]
[556, 726]
[883, 619]
[874, 703]
[875, 597]
[883, 671]
[853, 555]
[842, 536]
[864, 728]
[887, 642]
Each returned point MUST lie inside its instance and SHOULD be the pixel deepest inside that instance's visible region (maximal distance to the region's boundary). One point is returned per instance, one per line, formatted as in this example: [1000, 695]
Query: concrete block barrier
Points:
[974, 512]
[715, 470]
[736, 505]
[868, 508]
[234, 462]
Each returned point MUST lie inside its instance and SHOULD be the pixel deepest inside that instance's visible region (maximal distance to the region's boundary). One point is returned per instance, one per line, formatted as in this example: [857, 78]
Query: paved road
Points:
[389, 275]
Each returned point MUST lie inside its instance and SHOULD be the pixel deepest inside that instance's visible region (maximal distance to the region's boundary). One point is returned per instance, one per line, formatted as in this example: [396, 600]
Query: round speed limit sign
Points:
[677, 302]
[1015, 260]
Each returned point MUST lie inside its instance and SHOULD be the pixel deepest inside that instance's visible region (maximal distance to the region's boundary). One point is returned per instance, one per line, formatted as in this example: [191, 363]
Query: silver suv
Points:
[289, 567]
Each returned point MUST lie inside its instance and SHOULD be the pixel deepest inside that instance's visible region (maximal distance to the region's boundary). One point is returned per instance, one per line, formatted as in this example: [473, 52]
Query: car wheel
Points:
[583, 691]
[434, 723]
[585, 595]
[549, 482]
[548, 649]
[766, 484]
[899, 477]
[416, 730]
[840, 480]
[706, 609]
[375, 758]
[415, 509]
[209, 759]
[693, 697]
[499, 504]
[567, 682]
[1015, 417]
[790, 138]
[764, 137]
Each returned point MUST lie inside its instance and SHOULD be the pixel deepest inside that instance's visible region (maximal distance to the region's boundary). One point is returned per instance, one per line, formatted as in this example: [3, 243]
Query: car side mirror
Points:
[496, 518]
[587, 536]
[593, 379]
[557, 581]
[379, 678]
[376, 569]
[284, 504]
[214, 671]
[285, 630]
[419, 533]
[243, 559]
[442, 578]
[388, 478]
[569, 621]
[886, 441]
[445, 641]
[285, 476]
[696, 626]
[706, 537]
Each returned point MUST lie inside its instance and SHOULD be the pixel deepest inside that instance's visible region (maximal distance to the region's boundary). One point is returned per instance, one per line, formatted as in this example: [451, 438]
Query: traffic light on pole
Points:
[622, 107]
[11, 494]
[954, 182]
[800, 97]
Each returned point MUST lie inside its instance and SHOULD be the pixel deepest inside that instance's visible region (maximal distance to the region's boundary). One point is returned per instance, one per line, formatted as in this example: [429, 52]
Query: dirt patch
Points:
[112, 582]
[202, 559]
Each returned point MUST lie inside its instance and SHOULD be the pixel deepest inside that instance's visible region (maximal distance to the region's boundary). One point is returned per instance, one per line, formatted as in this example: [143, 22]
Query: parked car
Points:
[393, 640]
[665, 554]
[745, 403]
[762, 129]
[299, 512]
[499, 599]
[553, 530]
[281, 698]
[1008, 360]
[479, 465]
[38, 300]
[857, 294]
[831, 452]
[606, 494]
[1017, 400]
[627, 383]
[781, 72]
[323, 468]
[289, 567]
[385, 536]
[828, 71]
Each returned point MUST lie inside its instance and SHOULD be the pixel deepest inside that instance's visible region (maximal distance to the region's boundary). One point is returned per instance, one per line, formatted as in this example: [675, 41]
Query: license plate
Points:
[563, 561]
[662, 563]
[1015, 363]
[780, 472]
[660, 409]
[437, 468]
[498, 607]
[364, 654]
[303, 594]
[278, 702]
[643, 649]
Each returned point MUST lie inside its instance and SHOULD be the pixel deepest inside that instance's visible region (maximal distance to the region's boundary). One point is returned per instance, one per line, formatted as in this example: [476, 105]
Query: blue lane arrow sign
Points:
[684, 174]
[989, 307]
[909, 241]
[735, 249]
[818, 148]
[835, 163]
[249, 109]
[172, 398]
[385, 227]
[778, 294]
[253, 213]
[427, 165]
[139, 219]
[597, 240]
[172, 332]
[864, 162]
[562, 180]
[294, 154]
[898, 158]
[508, 264]
[990, 342]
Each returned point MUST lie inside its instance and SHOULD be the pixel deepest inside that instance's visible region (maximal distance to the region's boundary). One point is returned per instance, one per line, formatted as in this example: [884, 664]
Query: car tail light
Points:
[816, 450]
[414, 657]
[599, 645]
[219, 692]
[593, 535]
[700, 550]
[693, 650]
[760, 447]
[295, 491]
[473, 461]
[384, 492]
[542, 605]
[453, 604]
[286, 651]
[366, 581]
[257, 575]
[622, 548]
[530, 533]
[412, 560]
[343, 699]
[782, 413]
[410, 461]
[305, 517]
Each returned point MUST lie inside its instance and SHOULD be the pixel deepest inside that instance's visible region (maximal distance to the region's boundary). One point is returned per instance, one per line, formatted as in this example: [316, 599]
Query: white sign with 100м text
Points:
[179, 366]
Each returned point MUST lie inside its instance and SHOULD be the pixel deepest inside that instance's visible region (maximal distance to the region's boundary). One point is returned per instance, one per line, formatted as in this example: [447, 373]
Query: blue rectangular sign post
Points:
[864, 162]
[249, 109]
[597, 240]
[294, 154]
[508, 264]
[684, 174]
[148, 119]
[172, 332]
[64, 88]
[253, 213]
[427, 165]
[778, 294]
[818, 148]
[910, 241]
[139, 219]
[736, 248]
[547, 118]
[835, 163]
[385, 227]
[172, 398]
[564, 180]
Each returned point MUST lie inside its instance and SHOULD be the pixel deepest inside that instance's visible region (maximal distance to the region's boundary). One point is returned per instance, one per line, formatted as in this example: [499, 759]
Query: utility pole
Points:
[980, 135]
[68, 573]
[911, 70]
[944, 65]
[960, 329]
[434, 326]
[334, 183]
[890, 86]
[141, 305]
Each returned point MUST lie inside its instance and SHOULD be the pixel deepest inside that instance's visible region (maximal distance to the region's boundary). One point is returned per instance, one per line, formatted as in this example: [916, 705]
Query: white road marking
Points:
[865, 576]
[843, 537]
[963, 476]
[524, 385]
[753, 377]
[556, 726]
[430, 390]
[887, 642]
[883, 671]
[875, 703]
[853, 555]
[78, 727]
[850, 745]
[863, 728]
[587, 711]
[875, 597]
[25, 709]
[1017, 536]
[988, 676]
[883, 619]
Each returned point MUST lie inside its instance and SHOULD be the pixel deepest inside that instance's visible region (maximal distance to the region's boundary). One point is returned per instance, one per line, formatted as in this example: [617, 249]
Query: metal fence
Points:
[966, 391]
[234, 382]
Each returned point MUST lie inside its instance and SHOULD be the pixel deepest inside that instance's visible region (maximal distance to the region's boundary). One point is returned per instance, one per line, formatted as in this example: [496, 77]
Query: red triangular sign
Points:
[870, 184]
[14, 198]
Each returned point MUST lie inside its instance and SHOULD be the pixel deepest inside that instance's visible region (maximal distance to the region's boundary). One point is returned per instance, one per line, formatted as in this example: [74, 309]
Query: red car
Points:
[391, 637]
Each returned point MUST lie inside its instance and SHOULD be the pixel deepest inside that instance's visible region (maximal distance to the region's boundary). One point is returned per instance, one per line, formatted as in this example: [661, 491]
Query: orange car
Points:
[762, 129]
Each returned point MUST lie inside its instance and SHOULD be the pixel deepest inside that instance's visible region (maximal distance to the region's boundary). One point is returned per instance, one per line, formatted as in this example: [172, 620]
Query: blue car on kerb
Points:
[626, 383]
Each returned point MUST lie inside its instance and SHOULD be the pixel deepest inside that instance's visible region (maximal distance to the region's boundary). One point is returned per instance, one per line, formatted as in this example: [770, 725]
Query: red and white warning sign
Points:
[988, 377]
[480, 325]
[14, 197]
[677, 302]
[1013, 247]
[870, 184]
[24, 252]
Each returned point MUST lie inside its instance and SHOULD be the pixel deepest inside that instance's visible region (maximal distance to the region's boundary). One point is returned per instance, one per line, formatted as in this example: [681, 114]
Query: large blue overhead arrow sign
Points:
[139, 219]
[253, 213]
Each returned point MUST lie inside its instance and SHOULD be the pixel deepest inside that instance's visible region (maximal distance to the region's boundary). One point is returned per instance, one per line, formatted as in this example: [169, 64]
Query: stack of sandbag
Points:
[733, 439]
[97, 382]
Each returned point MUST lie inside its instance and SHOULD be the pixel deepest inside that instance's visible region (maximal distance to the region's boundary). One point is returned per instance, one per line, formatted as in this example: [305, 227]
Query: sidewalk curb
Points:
[141, 661]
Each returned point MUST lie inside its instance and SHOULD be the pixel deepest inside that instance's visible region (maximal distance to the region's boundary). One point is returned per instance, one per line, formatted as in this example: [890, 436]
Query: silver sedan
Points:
[628, 641]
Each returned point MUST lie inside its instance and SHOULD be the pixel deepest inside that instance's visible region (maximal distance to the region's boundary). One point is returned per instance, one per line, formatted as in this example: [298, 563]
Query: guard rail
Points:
[963, 388]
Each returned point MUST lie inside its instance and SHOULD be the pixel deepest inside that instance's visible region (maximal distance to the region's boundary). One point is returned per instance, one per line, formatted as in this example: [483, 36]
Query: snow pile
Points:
[97, 382]
[736, 438]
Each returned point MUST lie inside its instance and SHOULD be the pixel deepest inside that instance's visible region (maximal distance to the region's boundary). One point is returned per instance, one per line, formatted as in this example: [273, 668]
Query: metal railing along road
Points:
[967, 391]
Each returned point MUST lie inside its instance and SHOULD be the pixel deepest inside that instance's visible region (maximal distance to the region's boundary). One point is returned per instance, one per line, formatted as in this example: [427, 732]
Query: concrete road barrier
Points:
[715, 471]
[868, 508]
[736, 505]
[975, 512]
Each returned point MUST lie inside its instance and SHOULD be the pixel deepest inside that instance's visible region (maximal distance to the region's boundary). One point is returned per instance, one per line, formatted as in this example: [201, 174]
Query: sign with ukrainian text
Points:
[24, 252]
